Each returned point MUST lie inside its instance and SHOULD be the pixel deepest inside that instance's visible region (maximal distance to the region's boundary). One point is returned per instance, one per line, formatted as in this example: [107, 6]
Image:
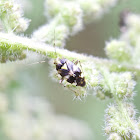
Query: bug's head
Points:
[57, 64]
[80, 81]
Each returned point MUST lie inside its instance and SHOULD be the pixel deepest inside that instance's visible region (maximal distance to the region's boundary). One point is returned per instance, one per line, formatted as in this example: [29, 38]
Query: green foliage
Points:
[11, 16]
[106, 78]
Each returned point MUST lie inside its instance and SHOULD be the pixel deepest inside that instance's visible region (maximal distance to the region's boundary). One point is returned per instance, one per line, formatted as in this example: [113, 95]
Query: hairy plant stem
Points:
[111, 77]
[12, 42]
[125, 115]
[123, 112]
[119, 104]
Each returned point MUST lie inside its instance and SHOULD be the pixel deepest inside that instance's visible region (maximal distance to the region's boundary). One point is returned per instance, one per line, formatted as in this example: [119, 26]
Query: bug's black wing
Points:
[71, 79]
[63, 72]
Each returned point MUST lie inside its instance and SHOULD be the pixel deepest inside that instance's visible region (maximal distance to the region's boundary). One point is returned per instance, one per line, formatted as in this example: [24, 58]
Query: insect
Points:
[70, 71]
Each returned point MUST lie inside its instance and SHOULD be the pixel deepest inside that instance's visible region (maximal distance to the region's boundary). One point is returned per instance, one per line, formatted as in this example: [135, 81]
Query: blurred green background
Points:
[90, 41]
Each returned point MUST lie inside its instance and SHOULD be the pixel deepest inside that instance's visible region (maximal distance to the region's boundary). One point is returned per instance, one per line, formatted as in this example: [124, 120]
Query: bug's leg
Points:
[71, 90]
[56, 75]
[61, 80]
[76, 94]
[73, 60]
[76, 62]
[80, 65]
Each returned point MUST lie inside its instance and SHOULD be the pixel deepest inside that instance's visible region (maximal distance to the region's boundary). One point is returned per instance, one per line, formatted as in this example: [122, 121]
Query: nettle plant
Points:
[114, 77]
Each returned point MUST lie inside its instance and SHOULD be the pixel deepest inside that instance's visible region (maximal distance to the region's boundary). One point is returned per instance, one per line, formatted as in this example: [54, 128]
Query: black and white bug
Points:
[70, 71]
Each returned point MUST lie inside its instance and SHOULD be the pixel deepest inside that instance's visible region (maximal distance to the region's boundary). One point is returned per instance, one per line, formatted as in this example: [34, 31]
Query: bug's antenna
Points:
[54, 44]
[45, 61]
[36, 63]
